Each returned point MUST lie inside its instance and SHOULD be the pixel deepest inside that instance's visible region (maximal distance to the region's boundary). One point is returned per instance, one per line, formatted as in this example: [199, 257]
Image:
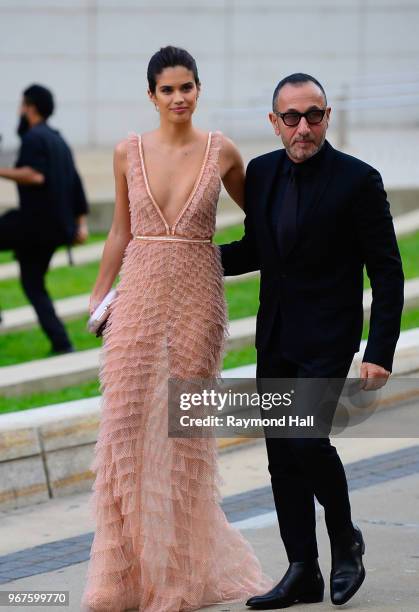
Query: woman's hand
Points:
[94, 303]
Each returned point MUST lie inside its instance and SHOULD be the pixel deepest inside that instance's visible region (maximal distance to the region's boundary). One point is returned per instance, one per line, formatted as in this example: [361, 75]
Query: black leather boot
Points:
[348, 571]
[302, 583]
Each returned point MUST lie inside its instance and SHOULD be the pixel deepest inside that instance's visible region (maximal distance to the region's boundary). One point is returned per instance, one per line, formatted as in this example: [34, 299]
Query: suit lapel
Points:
[270, 175]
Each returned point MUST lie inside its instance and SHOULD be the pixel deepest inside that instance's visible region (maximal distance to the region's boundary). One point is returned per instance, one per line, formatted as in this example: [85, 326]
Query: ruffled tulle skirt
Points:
[162, 542]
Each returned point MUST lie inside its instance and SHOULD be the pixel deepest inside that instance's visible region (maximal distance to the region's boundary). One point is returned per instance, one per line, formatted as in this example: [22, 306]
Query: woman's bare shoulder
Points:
[229, 150]
[228, 147]
[121, 148]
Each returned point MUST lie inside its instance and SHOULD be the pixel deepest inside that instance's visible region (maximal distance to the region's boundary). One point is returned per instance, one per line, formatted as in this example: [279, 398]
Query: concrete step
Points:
[93, 252]
[47, 452]
[411, 297]
[75, 368]
[406, 224]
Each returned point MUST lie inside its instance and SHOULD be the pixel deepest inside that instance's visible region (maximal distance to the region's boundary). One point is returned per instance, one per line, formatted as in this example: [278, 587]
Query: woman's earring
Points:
[156, 107]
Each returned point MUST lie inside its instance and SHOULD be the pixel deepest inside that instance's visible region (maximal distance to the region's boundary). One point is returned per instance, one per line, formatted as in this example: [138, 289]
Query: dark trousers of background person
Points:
[34, 259]
[304, 468]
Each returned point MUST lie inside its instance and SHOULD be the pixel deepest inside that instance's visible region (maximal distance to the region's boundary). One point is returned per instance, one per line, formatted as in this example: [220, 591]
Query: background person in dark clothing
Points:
[52, 207]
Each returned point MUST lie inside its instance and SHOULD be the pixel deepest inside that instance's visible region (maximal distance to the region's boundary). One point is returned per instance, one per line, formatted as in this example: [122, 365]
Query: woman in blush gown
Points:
[162, 542]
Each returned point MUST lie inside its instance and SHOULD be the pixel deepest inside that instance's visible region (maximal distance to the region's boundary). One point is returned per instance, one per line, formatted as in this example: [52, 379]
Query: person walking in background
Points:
[52, 207]
[314, 218]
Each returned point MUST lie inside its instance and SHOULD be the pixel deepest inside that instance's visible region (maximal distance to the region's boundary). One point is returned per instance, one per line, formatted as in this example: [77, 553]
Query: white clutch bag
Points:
[97, 320]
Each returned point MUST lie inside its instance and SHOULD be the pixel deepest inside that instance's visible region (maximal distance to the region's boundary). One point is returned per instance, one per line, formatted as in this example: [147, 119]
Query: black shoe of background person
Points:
[348, 572]
[302, 583]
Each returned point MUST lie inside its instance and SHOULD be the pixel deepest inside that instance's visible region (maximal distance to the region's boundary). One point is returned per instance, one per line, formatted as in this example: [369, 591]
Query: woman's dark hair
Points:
[41, 98]
[169, 57]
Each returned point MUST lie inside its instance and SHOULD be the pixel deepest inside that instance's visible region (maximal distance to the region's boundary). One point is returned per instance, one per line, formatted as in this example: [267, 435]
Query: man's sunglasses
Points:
[293, 118]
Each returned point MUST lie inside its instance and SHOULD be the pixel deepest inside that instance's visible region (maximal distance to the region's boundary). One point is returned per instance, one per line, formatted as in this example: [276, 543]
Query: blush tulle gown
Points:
[162, 542]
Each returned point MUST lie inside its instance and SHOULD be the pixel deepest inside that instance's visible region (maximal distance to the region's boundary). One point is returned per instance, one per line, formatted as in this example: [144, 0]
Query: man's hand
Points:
[24, 175]
[373, 376]
[82, 233]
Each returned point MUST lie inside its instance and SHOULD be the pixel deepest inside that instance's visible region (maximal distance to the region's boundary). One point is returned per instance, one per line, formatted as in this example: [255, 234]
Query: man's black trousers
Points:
[34, 258]
[304, 468]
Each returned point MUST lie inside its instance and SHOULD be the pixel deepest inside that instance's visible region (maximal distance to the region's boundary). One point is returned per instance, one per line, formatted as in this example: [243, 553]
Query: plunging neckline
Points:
[183, 209]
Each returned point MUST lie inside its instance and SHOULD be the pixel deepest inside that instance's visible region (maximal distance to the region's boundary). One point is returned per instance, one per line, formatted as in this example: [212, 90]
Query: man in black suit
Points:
[52, 207]
[314, 218]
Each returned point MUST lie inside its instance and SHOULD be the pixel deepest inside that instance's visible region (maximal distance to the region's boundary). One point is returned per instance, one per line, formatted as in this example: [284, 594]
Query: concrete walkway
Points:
[386, 512]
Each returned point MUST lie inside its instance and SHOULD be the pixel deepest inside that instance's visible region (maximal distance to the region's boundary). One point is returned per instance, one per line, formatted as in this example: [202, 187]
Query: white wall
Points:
[94, 54]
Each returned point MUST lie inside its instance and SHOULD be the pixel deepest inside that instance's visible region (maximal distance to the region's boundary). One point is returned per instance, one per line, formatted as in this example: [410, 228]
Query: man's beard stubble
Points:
[308, 155]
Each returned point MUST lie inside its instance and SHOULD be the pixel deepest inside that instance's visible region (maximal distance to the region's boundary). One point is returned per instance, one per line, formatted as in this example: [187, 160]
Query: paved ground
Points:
[383, 475]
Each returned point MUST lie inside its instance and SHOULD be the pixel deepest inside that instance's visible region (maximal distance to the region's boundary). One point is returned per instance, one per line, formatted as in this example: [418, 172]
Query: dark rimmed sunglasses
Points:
[313, 117]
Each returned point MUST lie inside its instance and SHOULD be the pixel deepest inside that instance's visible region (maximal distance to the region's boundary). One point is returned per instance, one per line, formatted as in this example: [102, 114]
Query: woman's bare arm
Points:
[232, 171]
[120, 232]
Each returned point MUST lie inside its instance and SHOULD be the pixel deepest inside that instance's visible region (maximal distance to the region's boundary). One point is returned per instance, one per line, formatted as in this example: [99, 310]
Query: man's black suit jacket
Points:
[317, 289]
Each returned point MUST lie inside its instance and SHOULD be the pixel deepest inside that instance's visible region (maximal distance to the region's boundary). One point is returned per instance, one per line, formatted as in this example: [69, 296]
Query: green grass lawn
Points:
[242, 300]
[7, 256]
[30, 344]
[61, 283]
[409, 251]
[26, 345]
[35, 400]
[67, 281]
[232, 359]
